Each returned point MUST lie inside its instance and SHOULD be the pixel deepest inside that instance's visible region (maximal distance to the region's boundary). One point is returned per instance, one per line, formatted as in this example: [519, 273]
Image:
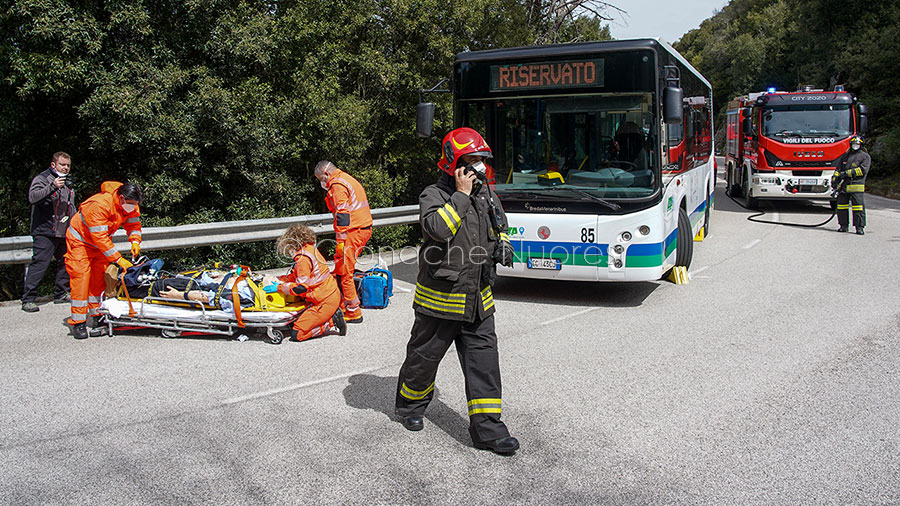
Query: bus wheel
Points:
[684, 249]
[706, 218]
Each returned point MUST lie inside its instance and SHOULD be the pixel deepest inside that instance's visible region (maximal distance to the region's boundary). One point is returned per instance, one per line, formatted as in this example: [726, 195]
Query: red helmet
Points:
[459, 142]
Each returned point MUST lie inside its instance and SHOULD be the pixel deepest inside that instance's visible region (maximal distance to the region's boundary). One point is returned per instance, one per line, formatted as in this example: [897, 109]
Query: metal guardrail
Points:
[17, 250]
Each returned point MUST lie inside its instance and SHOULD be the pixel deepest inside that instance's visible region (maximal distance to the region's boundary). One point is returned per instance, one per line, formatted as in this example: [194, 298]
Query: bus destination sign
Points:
[558, 74]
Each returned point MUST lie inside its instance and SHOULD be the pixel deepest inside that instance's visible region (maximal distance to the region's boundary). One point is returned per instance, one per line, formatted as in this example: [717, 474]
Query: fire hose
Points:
[753, 217]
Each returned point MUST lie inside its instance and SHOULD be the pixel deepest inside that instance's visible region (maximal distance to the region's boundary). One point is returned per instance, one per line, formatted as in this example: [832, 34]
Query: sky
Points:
[668, 19]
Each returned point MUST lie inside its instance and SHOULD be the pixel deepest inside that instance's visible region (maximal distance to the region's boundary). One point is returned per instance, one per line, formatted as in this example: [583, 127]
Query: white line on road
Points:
[281, 390]
[570, 315]
[698, 271]
[753, 243]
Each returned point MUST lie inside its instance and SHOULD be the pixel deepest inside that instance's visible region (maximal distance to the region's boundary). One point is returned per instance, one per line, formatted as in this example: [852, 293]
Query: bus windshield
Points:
[799, 120]
[592, 146]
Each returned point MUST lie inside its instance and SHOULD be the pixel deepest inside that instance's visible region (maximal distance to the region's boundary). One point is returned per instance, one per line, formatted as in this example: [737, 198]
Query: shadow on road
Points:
[574, 293]
[366, 391]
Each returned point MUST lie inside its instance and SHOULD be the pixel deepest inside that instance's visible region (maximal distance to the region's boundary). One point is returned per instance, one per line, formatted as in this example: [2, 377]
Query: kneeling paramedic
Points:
[310, 279]
[347, 200]
[850, 180]
[464, 228]
[90, 249]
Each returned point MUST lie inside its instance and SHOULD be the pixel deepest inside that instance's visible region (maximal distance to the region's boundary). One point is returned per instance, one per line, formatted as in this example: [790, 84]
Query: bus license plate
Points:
[809, 181]
[544, 263]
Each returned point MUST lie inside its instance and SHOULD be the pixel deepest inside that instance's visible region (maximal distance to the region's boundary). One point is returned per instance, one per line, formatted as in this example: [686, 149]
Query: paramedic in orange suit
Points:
[347, 200]
[311, 280]
[91, 250]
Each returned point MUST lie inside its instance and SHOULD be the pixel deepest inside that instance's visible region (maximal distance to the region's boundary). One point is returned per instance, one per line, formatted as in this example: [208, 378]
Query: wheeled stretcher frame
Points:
[160, 313]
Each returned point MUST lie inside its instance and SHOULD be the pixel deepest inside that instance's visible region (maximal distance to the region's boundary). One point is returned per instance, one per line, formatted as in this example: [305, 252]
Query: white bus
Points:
[603, 154]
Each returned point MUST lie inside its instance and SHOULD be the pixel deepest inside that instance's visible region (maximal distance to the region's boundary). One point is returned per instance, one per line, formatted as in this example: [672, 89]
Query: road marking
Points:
[776, 216]
[570, 315]
[698, 271]
[281, 390]
[753, 243]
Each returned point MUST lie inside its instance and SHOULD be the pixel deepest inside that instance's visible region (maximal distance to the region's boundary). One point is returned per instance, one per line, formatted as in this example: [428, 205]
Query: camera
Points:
[70, 183]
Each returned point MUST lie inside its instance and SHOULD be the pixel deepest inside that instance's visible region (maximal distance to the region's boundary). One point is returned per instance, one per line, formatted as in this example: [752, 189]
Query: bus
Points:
[602, 155]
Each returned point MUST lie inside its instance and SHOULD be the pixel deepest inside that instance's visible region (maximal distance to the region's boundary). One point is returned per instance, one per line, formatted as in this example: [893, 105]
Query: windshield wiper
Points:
[611, 205]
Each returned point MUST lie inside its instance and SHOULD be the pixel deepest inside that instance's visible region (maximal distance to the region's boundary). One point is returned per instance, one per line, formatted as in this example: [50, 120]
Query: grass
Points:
[888, 186]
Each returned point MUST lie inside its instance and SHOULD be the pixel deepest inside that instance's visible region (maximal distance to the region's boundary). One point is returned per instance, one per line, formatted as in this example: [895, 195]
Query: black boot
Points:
[843, 229]
[503, 446]
[860, 231]
[79, 331]
[413, 423]
[338, 321]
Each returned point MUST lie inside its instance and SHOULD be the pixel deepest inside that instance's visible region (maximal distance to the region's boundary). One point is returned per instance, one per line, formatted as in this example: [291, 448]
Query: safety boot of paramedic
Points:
[79, 331]
[338, 321]
[353, 315]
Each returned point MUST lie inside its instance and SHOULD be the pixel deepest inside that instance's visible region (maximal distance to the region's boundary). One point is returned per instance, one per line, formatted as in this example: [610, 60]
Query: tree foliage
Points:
[751, 45]
[220, 109]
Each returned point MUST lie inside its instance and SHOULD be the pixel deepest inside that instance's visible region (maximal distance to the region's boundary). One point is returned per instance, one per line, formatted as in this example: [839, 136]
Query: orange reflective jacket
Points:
[347, 200]
[311, 272]
[100, 216]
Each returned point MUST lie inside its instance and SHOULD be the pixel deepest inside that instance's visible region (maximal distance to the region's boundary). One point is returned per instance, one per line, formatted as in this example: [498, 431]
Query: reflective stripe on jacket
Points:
[853, 167]
[458, 247]
[347, 200]
[100, 216]
[310, 271]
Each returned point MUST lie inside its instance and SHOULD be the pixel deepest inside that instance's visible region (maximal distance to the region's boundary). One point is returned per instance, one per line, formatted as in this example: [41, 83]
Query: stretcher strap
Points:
[235, 298]
[131, 312]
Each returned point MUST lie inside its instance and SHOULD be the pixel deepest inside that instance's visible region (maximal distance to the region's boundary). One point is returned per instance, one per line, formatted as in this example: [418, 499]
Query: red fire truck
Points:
[784, 145]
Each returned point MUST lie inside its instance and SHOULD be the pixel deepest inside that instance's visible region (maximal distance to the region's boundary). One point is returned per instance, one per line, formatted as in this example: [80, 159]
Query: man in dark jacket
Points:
[52, 205]
[850, 173]
[465, 237]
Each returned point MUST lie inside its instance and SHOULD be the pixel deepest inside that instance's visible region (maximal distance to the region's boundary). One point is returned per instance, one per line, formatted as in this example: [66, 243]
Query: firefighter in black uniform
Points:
[465, 237]
[850, 180]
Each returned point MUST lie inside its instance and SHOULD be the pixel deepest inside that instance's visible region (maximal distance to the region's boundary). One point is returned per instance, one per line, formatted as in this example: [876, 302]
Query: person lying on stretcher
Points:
[213, 288]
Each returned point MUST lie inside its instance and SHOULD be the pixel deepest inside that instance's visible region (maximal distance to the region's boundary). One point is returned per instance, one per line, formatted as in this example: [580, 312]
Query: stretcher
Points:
[271, 312]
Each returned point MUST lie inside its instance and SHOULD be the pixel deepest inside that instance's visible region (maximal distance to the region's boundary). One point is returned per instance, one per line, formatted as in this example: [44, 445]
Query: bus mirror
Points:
[672, 103]
[747, 126]
[863, 110]
[863, 124]
[424, 119]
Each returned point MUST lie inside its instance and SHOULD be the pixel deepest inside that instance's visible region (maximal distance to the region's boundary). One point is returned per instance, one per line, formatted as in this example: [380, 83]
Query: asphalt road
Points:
[772, 378]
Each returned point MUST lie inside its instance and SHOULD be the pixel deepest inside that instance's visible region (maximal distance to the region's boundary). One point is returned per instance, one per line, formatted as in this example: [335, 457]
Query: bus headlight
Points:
[644, 230]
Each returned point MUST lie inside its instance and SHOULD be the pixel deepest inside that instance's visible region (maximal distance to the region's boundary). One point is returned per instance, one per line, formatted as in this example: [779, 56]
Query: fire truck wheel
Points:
[684, 250]
[752, 202]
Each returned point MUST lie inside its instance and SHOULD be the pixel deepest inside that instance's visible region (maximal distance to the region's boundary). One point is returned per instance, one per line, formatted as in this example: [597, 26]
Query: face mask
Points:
[480, 168]
[323, 184]
[128, 208]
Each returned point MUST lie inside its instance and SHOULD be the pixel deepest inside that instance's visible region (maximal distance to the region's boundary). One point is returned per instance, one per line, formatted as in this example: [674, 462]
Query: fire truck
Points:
[784, 145]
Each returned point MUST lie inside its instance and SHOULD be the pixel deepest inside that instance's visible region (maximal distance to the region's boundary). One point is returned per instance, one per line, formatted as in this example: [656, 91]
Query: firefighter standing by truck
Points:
[91, 250]
[464, 228]
[849, 178]
[347, 200]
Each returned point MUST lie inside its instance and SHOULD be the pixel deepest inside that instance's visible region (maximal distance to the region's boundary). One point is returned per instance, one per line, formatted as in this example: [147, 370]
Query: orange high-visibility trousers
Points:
[345, 264]
[86, 266]
[316, 320]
